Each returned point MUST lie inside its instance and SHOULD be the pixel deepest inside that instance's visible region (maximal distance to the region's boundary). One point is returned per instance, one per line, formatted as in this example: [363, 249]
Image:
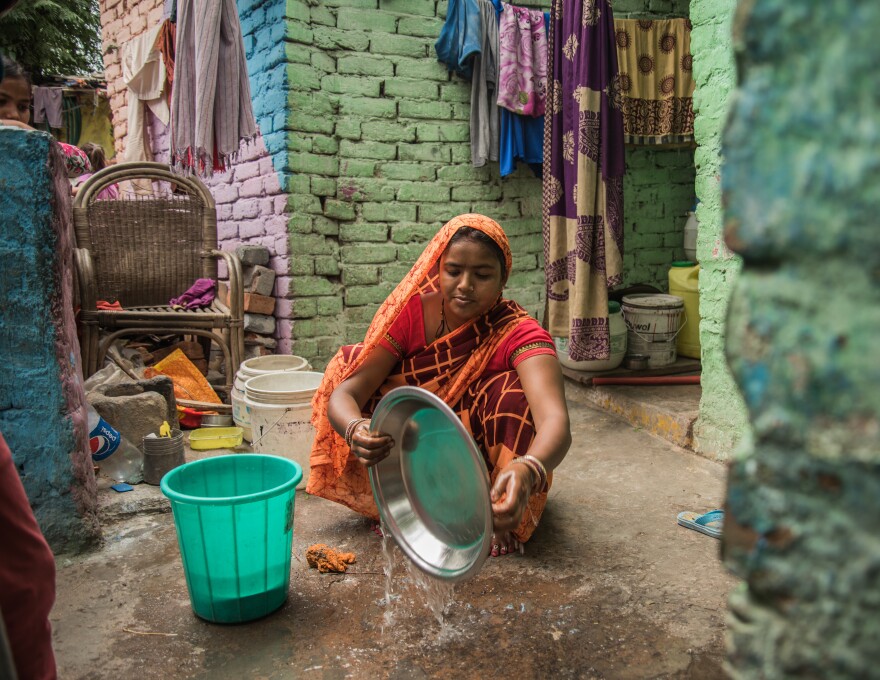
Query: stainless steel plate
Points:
[433, 489]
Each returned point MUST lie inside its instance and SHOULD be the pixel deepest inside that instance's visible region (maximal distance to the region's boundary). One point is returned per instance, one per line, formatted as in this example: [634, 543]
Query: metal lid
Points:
[433, 489]
[652, 301]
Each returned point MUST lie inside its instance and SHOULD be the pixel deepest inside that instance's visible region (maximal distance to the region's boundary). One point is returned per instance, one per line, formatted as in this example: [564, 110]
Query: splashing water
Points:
[388, 569]
[438, 594]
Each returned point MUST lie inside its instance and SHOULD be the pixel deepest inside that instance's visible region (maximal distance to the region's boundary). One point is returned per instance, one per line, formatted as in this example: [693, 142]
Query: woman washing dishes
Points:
[447, 328]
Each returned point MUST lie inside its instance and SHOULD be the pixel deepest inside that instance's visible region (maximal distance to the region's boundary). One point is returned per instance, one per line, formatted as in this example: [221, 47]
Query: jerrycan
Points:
[684, 282]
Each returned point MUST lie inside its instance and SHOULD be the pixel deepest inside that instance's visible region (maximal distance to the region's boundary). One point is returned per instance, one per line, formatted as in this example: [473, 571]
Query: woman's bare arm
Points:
[347, 402]
[542, 383]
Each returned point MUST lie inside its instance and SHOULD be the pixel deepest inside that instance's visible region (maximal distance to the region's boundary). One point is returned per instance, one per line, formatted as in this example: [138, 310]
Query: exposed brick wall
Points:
[251, 204]
[658, 190]
[369, 136]
[380, 156]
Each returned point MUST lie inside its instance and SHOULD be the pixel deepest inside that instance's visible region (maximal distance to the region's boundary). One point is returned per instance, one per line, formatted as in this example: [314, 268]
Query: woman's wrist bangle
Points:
[538, 467]
[351, 427]
[542, 472]
[538, 483]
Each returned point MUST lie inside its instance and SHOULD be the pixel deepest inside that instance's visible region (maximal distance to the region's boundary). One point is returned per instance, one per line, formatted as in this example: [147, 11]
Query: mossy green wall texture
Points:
[379, 158]
[802, 197]
[722, 421]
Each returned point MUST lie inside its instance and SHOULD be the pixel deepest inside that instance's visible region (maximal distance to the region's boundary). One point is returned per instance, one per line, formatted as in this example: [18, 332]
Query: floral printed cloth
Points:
[523, 57]
[656, 80]
[75, 160]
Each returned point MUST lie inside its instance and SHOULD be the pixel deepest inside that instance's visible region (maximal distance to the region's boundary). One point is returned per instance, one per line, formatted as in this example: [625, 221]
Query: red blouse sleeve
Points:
[527, 340]
[407, 333]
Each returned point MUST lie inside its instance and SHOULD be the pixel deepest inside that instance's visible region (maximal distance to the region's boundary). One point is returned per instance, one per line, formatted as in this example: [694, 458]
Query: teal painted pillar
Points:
[802, 198]
[42, 415]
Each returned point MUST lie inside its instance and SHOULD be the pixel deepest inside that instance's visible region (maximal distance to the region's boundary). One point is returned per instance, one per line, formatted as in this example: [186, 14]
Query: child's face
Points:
[15, 99]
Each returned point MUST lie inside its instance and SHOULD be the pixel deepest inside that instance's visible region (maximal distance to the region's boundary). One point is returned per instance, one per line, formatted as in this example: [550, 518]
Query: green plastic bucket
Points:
[234, 521]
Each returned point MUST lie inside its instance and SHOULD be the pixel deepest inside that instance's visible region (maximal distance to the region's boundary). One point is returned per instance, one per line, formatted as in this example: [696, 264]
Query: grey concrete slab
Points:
[669, 411]
[609, 587]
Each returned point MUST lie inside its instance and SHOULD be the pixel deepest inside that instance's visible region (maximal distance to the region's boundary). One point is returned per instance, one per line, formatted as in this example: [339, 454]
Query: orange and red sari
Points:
[492, 407]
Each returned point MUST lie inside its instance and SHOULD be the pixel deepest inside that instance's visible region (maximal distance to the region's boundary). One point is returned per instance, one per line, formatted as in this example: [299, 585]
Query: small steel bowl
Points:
[433, 489]
[219, 420]
[636, 362]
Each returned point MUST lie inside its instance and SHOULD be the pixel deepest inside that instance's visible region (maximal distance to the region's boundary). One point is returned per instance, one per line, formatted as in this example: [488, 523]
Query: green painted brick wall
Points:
[380, 131]
[722, 422]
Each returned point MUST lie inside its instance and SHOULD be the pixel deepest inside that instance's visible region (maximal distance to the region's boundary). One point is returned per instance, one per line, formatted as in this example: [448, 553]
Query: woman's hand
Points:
[370, 447]
[11, 122]
[510, 496]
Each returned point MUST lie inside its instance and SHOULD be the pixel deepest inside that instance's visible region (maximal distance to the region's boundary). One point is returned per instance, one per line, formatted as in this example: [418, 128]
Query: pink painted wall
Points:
[251, 203]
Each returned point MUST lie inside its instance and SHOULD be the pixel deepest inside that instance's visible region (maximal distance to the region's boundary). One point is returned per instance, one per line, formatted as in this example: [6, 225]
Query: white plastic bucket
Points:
[279, 408]
[252, 368]
[652, 323]
[618, 331]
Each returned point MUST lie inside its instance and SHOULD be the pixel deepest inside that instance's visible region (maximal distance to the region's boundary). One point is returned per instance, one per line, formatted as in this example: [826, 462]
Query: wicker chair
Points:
[143, 249]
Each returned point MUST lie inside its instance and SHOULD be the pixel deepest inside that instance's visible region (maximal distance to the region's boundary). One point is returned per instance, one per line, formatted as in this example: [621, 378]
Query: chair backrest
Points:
[148, 244]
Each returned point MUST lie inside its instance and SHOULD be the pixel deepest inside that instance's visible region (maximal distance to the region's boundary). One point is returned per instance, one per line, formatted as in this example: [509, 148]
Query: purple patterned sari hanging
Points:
[583, 176]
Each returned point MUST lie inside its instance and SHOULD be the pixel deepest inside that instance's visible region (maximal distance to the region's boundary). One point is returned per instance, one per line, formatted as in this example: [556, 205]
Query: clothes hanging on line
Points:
[485, 116]
[656, 80]
[144, 74]
[212, 113]
[470, 44]
[459, 38]
[165, 44]
[583, 177]
[522, 137]
[48, 105]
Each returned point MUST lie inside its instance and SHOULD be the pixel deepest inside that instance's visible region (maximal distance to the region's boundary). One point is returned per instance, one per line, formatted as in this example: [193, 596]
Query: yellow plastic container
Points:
[684, 282]
[215, 438]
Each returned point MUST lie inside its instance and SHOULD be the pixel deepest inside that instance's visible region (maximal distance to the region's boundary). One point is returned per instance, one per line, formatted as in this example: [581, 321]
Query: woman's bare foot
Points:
[503, 543]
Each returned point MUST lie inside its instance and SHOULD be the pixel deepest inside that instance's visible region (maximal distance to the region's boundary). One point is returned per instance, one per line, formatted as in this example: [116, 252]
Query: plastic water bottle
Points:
[117, 457]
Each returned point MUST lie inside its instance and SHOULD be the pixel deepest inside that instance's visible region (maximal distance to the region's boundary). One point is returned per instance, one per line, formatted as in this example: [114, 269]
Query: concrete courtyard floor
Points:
[609, 587]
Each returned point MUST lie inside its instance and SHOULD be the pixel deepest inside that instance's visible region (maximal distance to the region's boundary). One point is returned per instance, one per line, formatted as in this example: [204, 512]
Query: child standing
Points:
[98, 161]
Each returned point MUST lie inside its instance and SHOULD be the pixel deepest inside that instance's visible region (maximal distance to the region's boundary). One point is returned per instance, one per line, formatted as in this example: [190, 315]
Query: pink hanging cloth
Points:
[522, 75]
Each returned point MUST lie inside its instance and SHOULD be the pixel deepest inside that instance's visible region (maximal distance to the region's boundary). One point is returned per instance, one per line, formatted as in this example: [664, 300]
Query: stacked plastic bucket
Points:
[272, 403]
[252, 368]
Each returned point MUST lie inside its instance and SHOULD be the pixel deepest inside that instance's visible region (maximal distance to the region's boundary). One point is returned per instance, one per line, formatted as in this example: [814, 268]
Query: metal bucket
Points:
[161, 455]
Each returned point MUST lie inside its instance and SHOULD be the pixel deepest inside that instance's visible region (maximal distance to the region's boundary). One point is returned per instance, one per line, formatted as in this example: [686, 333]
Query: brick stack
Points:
[259, 304]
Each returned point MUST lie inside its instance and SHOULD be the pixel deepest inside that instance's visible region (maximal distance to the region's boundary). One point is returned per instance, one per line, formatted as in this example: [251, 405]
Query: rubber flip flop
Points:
[710, 523]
